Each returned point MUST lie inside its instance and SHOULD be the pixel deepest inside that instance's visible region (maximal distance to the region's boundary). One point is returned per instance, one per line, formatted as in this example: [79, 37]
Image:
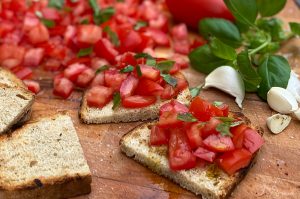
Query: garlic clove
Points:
[228, 80]
[277, 123]
[282, 100]
[294, 85]
[297, 114]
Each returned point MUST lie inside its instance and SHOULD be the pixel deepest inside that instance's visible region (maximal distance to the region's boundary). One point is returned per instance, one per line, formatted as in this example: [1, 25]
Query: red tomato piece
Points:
[128, 86]
[232, 161]
[11, 55]
[99, 96]
[201, 109]
[193, 132]
[85, 78]
[97, 63]
[238, 135]
[52, 65]
[62, 87]
[173, 105]
[73, 71]
[218, 143]
[161, 23]
[79, 60]
[30, 21]
[50, 13]
[180, 32]
[38, 34]
[89, 34]
[69, 34]
[148, 87]
[106, 50]
[159, 37]
[137, 101]
[113, 78]
[220, 111]
[98, 80]
[149, 72]
[169, 119]
[24, 73]
[159, 136]
[127, 59]
[180, 153]
[252, 140]
[33, 86]
[130, 41]
[168, 92]
[205, 154]
[181, 46]
[33, 57]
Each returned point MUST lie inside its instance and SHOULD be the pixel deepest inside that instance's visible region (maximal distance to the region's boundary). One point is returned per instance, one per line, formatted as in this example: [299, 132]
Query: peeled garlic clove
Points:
[297, 114]
[277, 123]
[294, 85]
[228, 80]
[281, 100]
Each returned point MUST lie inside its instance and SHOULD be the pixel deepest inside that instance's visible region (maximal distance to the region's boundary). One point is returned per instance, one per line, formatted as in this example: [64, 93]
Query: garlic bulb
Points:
[277, 123]
[228, 80]
[282, 100]
[294, 85]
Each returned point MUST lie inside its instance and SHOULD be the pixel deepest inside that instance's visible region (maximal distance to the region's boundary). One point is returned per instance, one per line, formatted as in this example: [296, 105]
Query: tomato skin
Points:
[169, 119]
[188, 11]
[99, 96]
[159, 37]
[168, 92]
[159, 136]
[63, 87]
[201, 109]
[205, 154]
[238, 135]
[218, 143]
[232, 161]
[173, 105]
[38, 34]
[113, 78]
[73, 71]
[137, 101]
[128, 86]
[33, 86]
[98, 80]
[127, 59]
[193, 132]
[33, 57]
[149, 72]
[104, 48]
[88, 34]
[24, 73]
[11, 55]
[180, 153]
[252, 140]
[148, 87]
[85, 78]
[129, 41]
[210, 127]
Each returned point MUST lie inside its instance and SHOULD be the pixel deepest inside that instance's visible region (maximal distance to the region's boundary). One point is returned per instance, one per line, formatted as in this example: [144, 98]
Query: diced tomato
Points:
[169, 119]
[238, 135]
[73, 71]
[127, 59]
[201, 109]
[5, 27]
[232, 161]
[89, 34]
[136, 101]
[129, 41]
[161, 22]
[180, 32]
[52, 65]
[180, 153]
[79, 60]
[85, 78]
[62, 87]
[30, 21]
[33, 86]
[128, 86]
[220, 111]
[106, 50]
[98, 80]
[97, 63]
[113, 78]
[182, 47]
[252, 140]
[38, 34]
[210, 127]
[57, 30]
[99, 96]
[11, 55]
[149, 72]
[50, 13]
[205, 154]
[160, 38]
[159, 136]
[69, 34]
[168, 92]
[24, 73]
[193, 132]
[148, 87]
[218, 143]
[180, 36]
[33, 57]
[173, 105]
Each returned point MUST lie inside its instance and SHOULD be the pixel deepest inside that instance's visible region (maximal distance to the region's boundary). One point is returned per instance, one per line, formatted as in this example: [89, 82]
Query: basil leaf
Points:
[165, 66]
[248, 73]
[127, 69]
[104, 15]
[169, 79]
[58, 4]
[195, 91]
[295, 28]
[112, 36]
[221, 50]
[243, 11]
[186, 117]
[84, 52]
[233, 124]
[143, 55]
[224, 129]
[138, 70]
[101, 69]
[84, 21]
[225, 119]
[95, 7]
[272, 26]
[151, 62]
[223, 29]
[268, 8]
[217, 103]
[116, 100]
[139, 25]
[203, 60]
[48, 23]
[275, 72]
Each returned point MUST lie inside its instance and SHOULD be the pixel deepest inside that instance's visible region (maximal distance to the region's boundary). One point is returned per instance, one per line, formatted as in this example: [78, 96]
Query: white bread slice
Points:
[210, 182]
[14, 107]
[91, 115]
[43, 160]
[9, 79]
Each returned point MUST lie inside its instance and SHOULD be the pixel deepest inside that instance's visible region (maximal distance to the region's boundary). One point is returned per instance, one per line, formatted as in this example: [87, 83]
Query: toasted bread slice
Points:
[210, 181]
[91, 115]
[15, 105]
[43, 159]
[9, 79]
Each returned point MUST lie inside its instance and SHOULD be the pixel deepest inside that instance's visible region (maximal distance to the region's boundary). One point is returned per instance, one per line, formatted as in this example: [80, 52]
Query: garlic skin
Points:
[297, 114]
[282, 100]
[294, 85]
[277, 123]
[228, 80]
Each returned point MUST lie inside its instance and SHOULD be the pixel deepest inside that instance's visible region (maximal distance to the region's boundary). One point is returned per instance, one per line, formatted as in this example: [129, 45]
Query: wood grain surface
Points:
[275, 175]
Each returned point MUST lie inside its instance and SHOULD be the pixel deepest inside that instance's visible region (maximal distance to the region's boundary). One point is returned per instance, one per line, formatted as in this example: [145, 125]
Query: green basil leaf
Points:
[143, 55]
[101, 69]
[116, 100]
[140, 24]
[138, 70]
[295, 28]
[151, 62]
[169, 79]
[203, 60]
[186, 117]
[95, 7]
[165, 66]
[223, 29]
[268, 8]
[84, 52]
[273, 26]
[217, 103]
[224, 129]
[248, 73]
[48, 23]
[112, 36]
[195, 91]
[225, 119]
[233, 124]
[275, 72]
[243, 11]
[84, 21]
[127, 69]
[221, 50]
[58, 4]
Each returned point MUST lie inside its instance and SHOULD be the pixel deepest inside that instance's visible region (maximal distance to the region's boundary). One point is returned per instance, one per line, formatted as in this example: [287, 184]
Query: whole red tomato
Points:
[191, 11]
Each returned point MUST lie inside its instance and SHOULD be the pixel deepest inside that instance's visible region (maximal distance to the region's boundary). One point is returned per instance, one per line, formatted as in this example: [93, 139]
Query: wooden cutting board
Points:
[275, 175]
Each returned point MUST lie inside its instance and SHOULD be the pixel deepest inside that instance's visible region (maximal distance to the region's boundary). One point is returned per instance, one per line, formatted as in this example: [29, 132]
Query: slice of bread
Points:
[43, 160]
[14, 107]
[9, 79]
[210, 181]
[91, 115]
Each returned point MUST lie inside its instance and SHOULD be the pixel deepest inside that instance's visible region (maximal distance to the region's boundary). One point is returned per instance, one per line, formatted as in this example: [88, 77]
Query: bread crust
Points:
[9, 79]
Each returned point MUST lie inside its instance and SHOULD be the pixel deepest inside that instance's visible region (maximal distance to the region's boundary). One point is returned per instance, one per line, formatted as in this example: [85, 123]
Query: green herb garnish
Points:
[186, 117]
[127, 69]
[116, 100]
[101, 69]
[112, 36]
[169, 79]
[85, 52]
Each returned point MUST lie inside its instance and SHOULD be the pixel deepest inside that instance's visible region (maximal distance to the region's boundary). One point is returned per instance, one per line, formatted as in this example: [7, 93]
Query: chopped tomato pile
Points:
[204, 133]
[74, 38]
